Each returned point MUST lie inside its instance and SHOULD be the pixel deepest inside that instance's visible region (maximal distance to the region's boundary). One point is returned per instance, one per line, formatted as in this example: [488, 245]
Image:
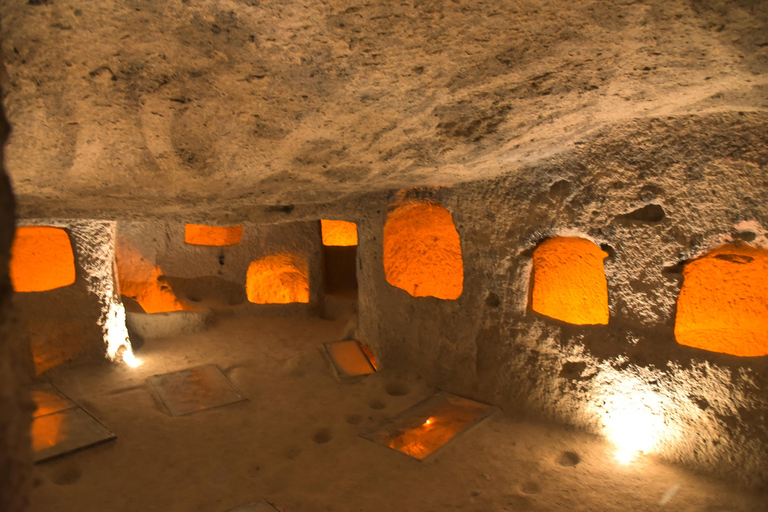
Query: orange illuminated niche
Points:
[569, 281]
[197, 234]
[41, 259]
[278, 279]
[422, 251]
[339, 233]
[723, 304]
[143, 281]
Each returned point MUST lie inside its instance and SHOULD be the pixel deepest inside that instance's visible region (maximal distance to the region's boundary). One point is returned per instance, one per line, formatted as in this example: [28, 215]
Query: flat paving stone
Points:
[195, 389]
[427, 426]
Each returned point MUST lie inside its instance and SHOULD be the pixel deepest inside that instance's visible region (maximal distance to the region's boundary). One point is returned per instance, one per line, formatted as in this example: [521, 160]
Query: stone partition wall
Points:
[215, 276]
[653, 195]
[67, 323]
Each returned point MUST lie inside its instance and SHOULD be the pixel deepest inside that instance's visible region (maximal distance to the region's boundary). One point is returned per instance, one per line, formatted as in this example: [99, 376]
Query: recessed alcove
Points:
[422, 251]
[568, 281]
[723, 303]
[41, 259]
[278, 279]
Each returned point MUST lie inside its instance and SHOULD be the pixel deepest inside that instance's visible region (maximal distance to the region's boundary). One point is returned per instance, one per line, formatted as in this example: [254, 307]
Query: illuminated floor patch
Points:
[349, 359]
[195, 389]
[256, 506]
[430, 424]
[59, 426]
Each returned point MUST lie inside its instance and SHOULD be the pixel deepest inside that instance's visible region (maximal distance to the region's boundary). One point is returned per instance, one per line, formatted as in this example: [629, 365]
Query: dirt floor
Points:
[296, 442]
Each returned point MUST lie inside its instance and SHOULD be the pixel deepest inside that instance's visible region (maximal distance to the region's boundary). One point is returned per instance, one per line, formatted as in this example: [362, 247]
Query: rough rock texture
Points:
[708, 174]
[145, 107]
[15, 404]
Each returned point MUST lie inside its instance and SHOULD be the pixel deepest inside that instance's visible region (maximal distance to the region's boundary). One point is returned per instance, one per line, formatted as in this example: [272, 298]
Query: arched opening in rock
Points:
[278, 279]
[197, 234]
[339, 256]
[41, 259]
[422, 251]
[723, 303]
[569, 281]
[143, 282]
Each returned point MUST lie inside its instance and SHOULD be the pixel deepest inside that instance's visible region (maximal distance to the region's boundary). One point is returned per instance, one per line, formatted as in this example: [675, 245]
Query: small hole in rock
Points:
[377, 404]
[568, 459]
[397, 389]
[322, 436]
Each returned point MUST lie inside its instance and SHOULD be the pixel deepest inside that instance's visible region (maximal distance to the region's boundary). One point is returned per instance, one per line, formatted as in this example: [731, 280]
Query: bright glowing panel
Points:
[422, 251]
[723, 304]
[338, 232]
[41, 259]
[278, 279]
[569, 282]
[143, 281]
[197, 234]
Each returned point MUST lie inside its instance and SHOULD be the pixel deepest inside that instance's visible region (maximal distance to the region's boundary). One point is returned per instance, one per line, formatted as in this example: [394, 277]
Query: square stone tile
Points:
[48, 400]
[64, 432]
[195, 389]
[422, 429]
[348, 358]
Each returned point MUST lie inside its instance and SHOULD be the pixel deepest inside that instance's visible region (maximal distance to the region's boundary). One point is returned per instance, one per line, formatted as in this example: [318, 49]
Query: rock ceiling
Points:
[148, 107]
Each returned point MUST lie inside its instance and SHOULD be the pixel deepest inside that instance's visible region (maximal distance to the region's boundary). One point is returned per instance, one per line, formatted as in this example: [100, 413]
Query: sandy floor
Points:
[297, 443]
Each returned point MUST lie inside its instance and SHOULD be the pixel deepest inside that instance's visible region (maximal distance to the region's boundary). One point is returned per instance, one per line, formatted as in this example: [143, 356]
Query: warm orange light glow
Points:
[41, 259]
[420, 441]
[349, 359]
[422, 251]
[278, 279]
[48, 402]
[569, 281]
[723, 304]
[196, 234]
[370, 355]
[143, 281]
[47, 431]
[54, 342]
[339, 232]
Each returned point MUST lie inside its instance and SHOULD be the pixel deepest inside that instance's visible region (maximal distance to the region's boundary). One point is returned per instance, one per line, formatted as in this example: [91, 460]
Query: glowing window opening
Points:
[41, 259]
[723, 303]
[217, 236]
[278, 279]
[422, 251]
[569, 281]
[339, 233]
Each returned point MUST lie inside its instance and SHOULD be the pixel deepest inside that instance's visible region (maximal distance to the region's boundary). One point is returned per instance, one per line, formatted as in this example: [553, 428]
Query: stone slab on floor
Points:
[422, 429]
[348, 359]
[59, 426]
[194, 389]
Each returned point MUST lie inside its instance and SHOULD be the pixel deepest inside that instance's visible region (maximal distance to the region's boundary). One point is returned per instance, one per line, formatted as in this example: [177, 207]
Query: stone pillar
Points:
[15, 404]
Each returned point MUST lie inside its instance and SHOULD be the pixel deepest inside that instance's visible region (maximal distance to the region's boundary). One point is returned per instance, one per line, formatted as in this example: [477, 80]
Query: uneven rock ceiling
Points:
[131, 108]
